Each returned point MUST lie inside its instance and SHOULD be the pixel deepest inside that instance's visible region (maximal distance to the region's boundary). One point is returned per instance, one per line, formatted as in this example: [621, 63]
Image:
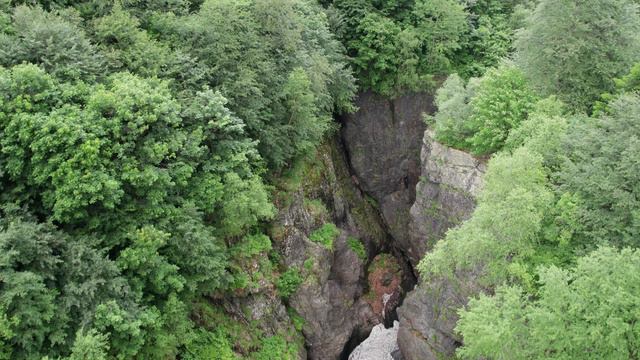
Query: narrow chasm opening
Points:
[389, 275]
[389, 279]
[356, 338]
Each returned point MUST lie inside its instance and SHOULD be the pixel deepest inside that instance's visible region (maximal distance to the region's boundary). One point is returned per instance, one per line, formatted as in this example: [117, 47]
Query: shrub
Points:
[503, 100]
[252, 245]
[214, 345]
[591, 310]
[576, 51]
[357, 247]
[325, 235]
[275, 347]
[288, 282]
[479, 117]
[297, 320]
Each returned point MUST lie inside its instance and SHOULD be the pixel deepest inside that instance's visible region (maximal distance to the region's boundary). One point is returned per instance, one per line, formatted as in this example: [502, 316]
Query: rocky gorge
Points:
[386, 190]
[386, 182]
[423, 188]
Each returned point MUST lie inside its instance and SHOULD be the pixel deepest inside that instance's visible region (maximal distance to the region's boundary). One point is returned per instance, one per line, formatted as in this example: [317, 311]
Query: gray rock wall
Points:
[330, 299]
[383, 140]
[445, 196]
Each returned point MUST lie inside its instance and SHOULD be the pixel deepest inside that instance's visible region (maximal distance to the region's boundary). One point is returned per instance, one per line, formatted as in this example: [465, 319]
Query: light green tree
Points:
[590, 311]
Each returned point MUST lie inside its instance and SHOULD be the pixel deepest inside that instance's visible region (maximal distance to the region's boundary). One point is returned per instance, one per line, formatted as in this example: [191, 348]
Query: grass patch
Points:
[288, 282]
[297, 320]
[357, 247]
[316, 208]
[325, 235]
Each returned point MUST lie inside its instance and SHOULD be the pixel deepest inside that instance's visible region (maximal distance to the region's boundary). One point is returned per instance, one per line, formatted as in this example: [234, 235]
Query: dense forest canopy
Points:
[140, 141]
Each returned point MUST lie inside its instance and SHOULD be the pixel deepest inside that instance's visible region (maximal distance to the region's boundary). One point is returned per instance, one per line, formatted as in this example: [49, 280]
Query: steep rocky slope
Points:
[445, 196]
[333, 298]
[388, 185]
[383, 140]
[449, 181]
[422, 188]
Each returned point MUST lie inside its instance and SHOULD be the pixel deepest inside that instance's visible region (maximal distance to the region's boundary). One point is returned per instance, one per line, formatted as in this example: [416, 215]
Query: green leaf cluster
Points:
[325, 235]
[399, 45]
[576, 51]
[479, 116]
[590, 309]
[357, 247]
[288, 282]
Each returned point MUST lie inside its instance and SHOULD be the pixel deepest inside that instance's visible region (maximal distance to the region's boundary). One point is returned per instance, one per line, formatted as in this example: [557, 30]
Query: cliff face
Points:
[331, 298]
[383, 140]
[445, 196]
[422, 189]
[388, 184]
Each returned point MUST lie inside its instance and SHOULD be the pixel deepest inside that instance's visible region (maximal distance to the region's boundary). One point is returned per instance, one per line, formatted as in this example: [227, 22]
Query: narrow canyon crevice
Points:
[385, 183]
[420, 188]
[381, 144]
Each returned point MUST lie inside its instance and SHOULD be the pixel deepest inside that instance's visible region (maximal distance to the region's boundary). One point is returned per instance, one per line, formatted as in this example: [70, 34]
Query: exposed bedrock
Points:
[445, 196]
[383, 141]
[331, 298]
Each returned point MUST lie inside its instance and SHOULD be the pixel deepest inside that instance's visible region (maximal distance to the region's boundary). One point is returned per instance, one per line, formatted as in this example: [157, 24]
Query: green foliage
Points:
[56, 41]
[297, 320]
[397, 47]
[450, 121]
[402, 46]
[357, 247]
[325, 235]
[284, 107]
[51, 284]
[288, 282]
[590, 310]
[150, 272]
[317, 208]
[627, 83]
[479, 117]
[501, 101]
[214, 345]
[252, 245]
[275, 347]
[504, 227]
[306, 123]
[602, 169]
[489, 39]
[90, 346]
[543, 132]
[576, 51]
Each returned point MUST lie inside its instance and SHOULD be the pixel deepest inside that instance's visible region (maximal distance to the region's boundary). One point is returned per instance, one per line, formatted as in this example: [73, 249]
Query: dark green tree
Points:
[575, 51]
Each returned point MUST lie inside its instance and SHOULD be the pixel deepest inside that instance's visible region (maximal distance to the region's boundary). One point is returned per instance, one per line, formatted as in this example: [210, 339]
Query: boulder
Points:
[380, 345]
